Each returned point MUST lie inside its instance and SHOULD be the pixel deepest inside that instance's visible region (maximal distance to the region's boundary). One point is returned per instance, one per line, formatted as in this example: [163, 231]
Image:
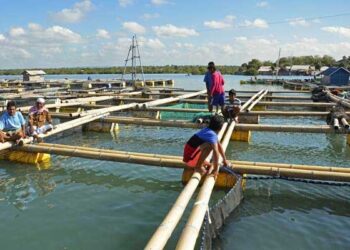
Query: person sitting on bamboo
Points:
[12, 124]
[199, 146]
[232, 106]
[39, 119]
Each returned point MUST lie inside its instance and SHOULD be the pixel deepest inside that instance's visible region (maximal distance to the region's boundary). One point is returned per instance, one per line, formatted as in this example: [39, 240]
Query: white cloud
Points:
[155, 44]
[75, 14]
[159, 2]
[134, 27]
[257, 23]
[226, 23]
[343, 31]
[102, 33]
[34, 26]
[298, 22]
[125, 3]
[241, 38]
[18, 31]
[172, 30]
[148, 16]
[262, 4]
[217, 24]
[60, 33]
[2, 38]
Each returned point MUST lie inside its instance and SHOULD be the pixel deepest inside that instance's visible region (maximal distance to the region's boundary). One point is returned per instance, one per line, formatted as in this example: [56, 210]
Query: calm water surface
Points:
[87, 204]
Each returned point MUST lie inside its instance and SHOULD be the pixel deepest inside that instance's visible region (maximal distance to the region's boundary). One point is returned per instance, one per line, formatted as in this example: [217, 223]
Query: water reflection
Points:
[21, 184]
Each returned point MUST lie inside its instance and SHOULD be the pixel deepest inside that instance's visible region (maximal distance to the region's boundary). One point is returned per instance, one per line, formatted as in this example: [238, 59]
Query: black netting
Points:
[218, 214]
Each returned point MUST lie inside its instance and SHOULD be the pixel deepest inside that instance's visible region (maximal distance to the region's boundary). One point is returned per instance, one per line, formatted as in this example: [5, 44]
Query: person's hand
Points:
[213, 171]
[2, 139]
[226, 163]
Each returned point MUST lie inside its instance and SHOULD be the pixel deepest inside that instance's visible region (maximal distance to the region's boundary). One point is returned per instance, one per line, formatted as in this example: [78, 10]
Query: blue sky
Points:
[68, 33]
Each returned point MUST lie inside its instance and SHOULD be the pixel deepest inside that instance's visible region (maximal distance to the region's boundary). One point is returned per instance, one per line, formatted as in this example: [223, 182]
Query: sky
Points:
[74, 33]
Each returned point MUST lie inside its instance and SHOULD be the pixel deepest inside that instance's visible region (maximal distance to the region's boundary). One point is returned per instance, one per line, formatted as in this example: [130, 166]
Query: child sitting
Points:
[201, 144]
[232, 106]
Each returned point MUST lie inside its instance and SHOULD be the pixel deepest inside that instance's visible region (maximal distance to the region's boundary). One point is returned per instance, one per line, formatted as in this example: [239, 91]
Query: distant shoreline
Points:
[171, 69]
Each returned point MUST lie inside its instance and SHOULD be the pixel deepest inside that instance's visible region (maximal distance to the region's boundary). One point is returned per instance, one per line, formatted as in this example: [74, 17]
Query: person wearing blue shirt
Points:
[208, 78]
[12, 124]
[199, 146]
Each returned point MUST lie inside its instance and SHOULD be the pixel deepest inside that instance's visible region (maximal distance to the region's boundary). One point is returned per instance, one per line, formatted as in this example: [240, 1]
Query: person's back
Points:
[199, 146]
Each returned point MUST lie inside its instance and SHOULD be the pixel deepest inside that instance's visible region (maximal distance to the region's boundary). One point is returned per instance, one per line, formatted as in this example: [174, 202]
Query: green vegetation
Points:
[250, 68]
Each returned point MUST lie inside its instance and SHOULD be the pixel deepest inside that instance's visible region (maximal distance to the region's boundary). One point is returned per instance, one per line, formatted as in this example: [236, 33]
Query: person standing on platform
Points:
[217, 91]
[208, 81]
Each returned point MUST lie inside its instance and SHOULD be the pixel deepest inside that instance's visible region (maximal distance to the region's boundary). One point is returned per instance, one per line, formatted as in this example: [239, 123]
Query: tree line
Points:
[250, 68]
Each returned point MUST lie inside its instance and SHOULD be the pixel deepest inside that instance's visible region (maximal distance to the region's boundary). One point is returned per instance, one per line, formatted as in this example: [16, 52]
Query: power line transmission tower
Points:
[135, 55]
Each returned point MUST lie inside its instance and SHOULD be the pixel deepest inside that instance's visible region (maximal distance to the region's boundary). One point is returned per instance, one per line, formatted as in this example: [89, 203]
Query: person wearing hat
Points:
[39, 119]
[12, 124]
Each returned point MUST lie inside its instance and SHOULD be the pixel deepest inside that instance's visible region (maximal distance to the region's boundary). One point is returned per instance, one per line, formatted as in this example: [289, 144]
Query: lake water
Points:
[89, 204]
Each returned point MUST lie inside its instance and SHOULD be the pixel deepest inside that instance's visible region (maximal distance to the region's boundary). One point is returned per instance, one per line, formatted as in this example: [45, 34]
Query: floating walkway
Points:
[104, 110]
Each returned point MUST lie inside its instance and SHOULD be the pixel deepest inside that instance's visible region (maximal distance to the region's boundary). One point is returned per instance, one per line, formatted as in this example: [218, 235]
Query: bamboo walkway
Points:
[80, 107]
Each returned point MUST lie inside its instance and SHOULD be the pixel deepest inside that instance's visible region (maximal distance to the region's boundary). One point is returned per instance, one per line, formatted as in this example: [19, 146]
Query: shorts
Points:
[13, 132]
[192, 162]
[218, 100]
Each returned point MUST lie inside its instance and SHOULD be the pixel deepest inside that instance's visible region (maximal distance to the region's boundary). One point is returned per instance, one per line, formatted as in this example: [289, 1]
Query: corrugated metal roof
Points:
[332, 70]
[34, 72]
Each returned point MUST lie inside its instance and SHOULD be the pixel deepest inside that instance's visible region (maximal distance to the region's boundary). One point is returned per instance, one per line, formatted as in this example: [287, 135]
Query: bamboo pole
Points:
[103, 155]
[57, 105]
[239, 126]
[337, 99]
[170, 99]
[287, 128]
[293, 173]
[256, 101]
[298, 104]
[11, 144]
[177, 160]
[151, 122]
[192, 228]
[105, 110]
[293, 166]
[166, 228]
[73, 123]
[345, 123]
[53, 146]
[336, 123]
[262, 113]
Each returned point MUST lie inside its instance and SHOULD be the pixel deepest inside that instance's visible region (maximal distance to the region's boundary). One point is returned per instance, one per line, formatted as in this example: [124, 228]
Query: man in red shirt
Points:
[217, 91]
